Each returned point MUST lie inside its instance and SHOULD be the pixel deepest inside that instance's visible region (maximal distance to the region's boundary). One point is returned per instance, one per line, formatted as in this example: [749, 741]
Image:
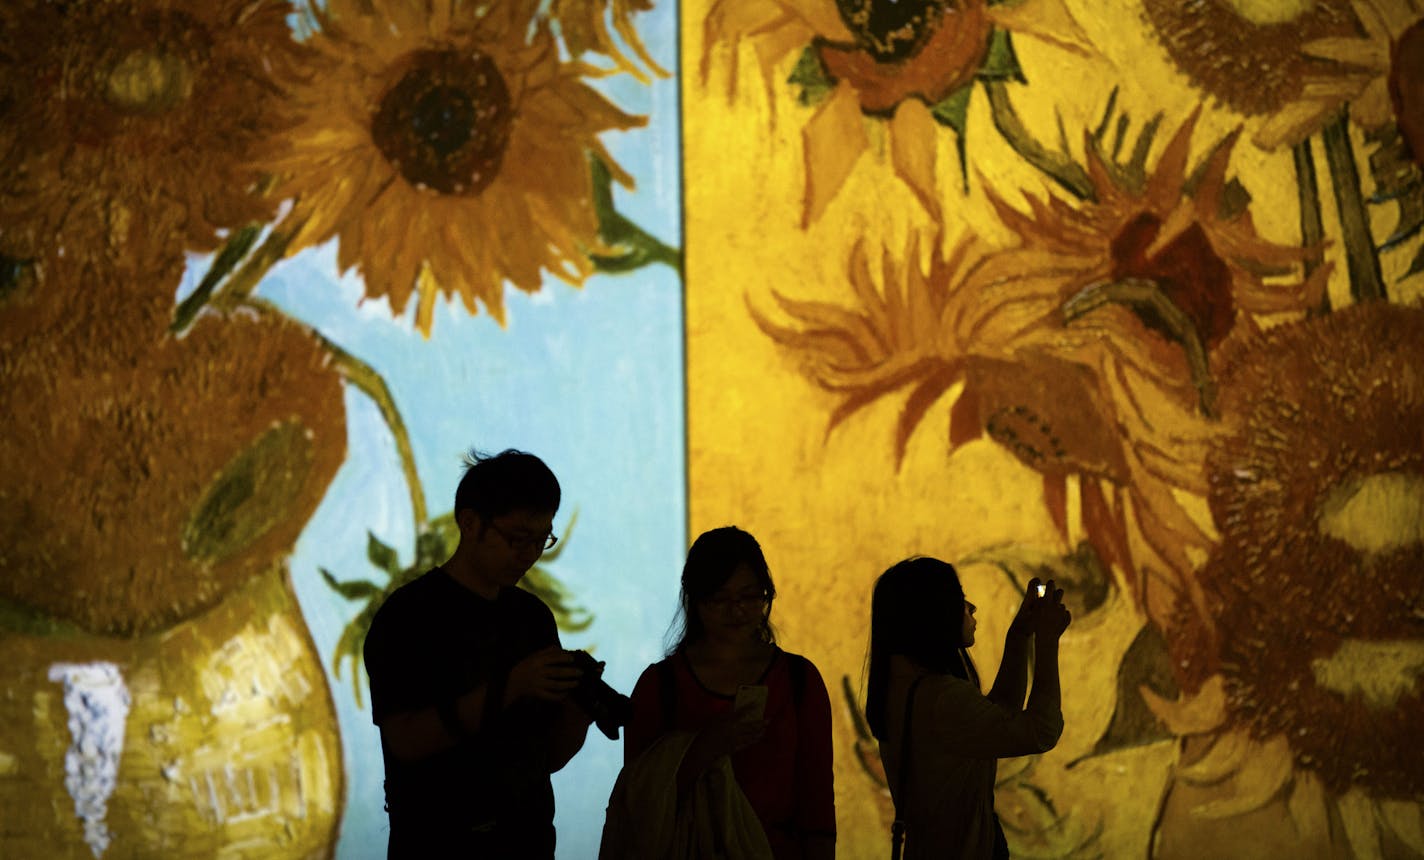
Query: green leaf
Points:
[641, 248]
[382, 556]
[1001, 63]
[352, 589]
[953, 110]
[811, 76]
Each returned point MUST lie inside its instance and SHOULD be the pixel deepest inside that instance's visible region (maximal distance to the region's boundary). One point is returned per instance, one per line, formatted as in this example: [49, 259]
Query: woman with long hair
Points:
[940, 736]
[724, 665]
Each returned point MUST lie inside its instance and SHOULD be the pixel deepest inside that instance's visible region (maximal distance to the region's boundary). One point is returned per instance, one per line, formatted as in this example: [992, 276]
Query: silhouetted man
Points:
[468, 683]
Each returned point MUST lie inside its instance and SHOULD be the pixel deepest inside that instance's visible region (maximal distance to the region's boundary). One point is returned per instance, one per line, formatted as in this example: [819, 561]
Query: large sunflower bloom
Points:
[447, 147]
[1317, 487]
[1153, 280]
[1085, 351]
[122, 122]
[890, 60]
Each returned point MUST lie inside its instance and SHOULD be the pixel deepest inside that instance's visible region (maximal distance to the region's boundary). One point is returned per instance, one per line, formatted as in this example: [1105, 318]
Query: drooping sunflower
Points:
[148, 478]
[1085, 351]
[1265, 59]
[448, 148]
[1310, 677]
[584, 27]
[897, 61]
[133, 123]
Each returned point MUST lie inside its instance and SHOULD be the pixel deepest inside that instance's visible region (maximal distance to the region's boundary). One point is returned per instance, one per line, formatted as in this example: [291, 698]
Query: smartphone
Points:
[1041, 589]
[750, 703]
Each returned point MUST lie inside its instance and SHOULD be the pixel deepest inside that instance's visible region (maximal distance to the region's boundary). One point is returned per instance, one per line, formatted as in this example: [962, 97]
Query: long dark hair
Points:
[711, 561]
[917, 610]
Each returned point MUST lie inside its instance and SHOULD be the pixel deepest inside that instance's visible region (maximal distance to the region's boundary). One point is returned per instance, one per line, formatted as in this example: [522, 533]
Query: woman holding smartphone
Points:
[726, 681]
[940, 736]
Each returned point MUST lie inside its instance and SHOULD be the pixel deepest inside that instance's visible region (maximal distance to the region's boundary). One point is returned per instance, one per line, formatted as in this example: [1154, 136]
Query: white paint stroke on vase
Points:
[98, 704]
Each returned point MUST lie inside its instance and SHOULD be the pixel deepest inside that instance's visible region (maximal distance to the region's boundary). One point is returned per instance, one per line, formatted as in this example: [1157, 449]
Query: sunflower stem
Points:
[226, 260]
[1366, 283]
[237, 289]
[1059, 166]
[369, 382]
[1312, 229]
[641, 247]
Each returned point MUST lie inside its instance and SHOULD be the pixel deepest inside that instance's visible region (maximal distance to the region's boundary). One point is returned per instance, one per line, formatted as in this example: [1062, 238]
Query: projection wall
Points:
[1125, 293]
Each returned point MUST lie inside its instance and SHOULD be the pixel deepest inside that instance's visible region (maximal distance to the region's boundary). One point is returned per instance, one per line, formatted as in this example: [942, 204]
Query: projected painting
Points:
[268, 272]
[1127, 293]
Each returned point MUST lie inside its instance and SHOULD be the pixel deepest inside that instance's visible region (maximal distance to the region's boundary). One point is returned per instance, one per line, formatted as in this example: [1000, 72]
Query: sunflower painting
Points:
[1094, 289]
[1128, 291]
[267, 270]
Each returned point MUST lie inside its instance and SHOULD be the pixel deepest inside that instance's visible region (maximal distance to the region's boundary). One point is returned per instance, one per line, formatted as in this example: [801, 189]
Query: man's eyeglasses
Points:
[759, 600]
[544, 542]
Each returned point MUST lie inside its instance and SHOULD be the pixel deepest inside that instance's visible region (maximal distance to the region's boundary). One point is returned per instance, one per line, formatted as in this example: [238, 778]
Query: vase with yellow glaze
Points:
[161, 695]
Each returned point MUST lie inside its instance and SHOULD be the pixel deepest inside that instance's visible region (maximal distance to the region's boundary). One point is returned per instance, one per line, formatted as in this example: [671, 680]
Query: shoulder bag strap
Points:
[897, 830]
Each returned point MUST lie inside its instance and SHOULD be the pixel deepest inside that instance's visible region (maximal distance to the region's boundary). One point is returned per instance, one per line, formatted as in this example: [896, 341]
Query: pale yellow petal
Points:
[833, 141]
[1308, 812]
[1405, 821]
[821, 16]
[1190, 715]
[1357, 813]
[425, 306]
[1222, 759]
[1372, 108]
[1355, 52]
[1047, 20]
[914, 142]
[1264, 770]
[1292, 124]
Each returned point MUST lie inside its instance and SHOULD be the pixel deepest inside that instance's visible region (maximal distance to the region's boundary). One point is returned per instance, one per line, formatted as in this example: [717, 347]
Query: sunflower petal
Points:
[1048, 20]
[833, 141]
[1194, 714]
[1357, 814]
[1264, 770]
[1220, 761]
[913, 147]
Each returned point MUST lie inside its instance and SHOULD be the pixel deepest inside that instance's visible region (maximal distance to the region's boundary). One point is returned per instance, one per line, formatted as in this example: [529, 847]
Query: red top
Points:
[786, 776]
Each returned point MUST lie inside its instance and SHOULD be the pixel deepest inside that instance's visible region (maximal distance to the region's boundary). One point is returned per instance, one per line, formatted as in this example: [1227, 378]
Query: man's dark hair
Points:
[917, 610]
[711, 561]
[508, 481]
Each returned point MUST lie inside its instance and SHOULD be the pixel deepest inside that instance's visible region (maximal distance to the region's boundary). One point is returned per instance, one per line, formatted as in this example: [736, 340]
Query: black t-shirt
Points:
[434, 640]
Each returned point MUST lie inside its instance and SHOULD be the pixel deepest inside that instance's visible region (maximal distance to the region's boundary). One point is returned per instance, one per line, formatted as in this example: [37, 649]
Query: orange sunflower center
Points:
[1186, 269]
[445, 124]
[891, 30]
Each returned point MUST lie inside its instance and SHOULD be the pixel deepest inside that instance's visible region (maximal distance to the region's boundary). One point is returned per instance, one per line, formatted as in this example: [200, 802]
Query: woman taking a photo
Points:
[940, 736]
[777, 731]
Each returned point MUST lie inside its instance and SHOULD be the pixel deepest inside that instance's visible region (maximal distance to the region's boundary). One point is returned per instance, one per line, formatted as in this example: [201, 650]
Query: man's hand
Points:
[548, 675]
